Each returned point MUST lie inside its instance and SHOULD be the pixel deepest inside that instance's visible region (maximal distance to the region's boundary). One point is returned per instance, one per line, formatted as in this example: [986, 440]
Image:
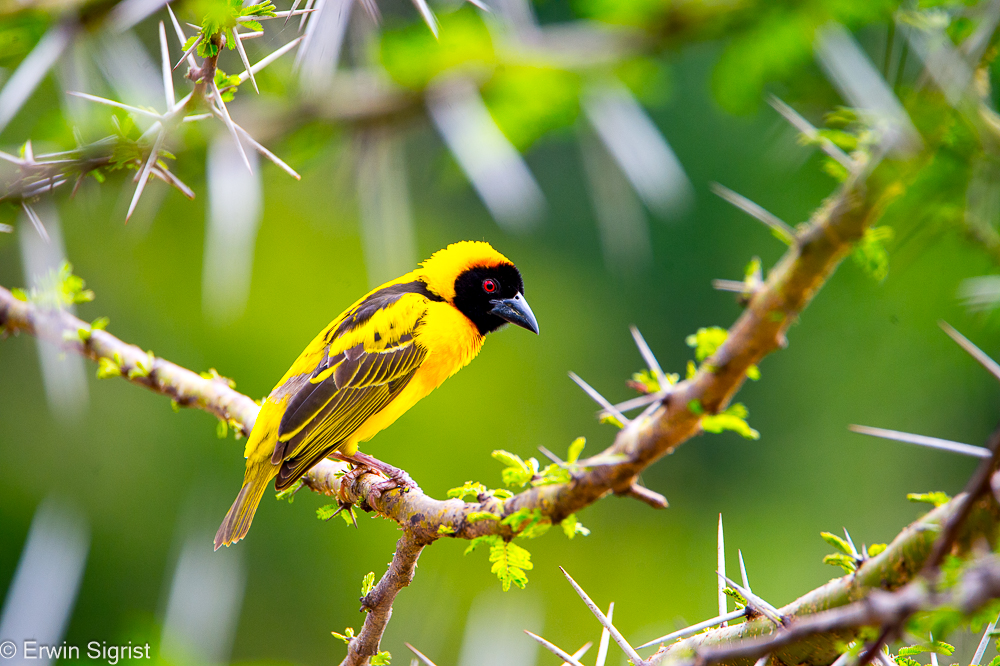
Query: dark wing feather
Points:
[323, 415]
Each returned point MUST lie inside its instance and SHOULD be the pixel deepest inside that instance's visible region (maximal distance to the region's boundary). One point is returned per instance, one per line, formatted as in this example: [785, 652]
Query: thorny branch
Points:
[818, 249]
[965, 521]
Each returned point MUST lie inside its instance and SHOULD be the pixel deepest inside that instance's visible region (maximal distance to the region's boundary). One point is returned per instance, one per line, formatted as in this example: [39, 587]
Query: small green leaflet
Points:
[510, 561]
[571, 526]
[845, 562]
[837, 542]
[936, 498]
[575, 449]
[381, 659]
[367, 583]
[706, 340]
[733, 418]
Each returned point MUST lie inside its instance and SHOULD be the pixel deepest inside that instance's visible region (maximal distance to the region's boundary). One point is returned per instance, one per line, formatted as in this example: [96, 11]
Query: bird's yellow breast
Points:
[451, 341]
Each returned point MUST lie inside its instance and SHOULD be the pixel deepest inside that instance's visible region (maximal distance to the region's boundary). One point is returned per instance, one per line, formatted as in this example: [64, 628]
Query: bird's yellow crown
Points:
[444, 266]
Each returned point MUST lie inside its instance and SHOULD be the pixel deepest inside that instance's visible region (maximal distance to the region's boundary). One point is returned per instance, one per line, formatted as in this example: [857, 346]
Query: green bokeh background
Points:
[145, 477]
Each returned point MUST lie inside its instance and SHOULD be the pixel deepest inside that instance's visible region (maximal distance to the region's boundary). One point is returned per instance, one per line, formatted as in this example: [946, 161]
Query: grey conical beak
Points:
[517, 311]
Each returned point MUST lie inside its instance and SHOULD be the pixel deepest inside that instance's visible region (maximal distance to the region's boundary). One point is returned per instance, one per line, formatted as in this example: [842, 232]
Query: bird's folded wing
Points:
[345, 390]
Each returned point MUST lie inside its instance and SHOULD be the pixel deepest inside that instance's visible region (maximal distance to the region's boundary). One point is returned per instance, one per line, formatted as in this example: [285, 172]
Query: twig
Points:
[378, 602]
[186, 388]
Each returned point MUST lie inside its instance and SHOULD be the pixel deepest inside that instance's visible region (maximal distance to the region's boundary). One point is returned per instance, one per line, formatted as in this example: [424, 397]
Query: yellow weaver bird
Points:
[372, 363]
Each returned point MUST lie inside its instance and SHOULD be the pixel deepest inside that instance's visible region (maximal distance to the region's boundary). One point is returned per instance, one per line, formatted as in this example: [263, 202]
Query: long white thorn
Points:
[426, 661]
[602, 647]
[805, 127]
[284, 15]
[187, 54]
[230, 125]
[427, 15]
[922, 440]
[605, 622]
[119, 105]
[168, 79]
[264, 62]
[767, 609]
[647, 355]
[984, 643]
[305, 16]
[35, 221]
[261, 149]
[295, 5]
[743, 572]
[144, 173]
[721, 559]
[780, 229]
[695, 628]
[556, 650]
[579, 653]
[974, 351]
[246, 61]
[599, 399]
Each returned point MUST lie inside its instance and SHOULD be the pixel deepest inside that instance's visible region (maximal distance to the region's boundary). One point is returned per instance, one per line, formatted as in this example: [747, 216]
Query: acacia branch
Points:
[818, 249]
[900, 563]
[979, 585]
[186, 388]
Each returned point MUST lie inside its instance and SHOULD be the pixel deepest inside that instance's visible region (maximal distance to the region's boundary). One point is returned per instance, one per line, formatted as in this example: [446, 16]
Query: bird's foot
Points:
[397, 478]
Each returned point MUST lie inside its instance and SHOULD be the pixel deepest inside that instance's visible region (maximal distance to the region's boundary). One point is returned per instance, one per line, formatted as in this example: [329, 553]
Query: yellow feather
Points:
[447, 341]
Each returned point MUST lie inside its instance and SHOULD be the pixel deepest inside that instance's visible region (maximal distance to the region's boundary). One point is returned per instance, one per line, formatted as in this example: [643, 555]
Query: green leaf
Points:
[414, 57]
[871, 254]
[575, 449]
[367, 583]
[936, 498]
[107, 368]
[876, 549]
[480, 516]
[381, 659]
[907, 661]
[19, 294]
[571, 526]
[518, 472]
[327, 511]
[552, 474]
[346, 636]
[289, 492]
[733, 418]
[837, 542]
[478, 541]
[528, 523]
[473, 488]
[221, 429]
[735, 596]
[706, 340]
[753, 373]
[695, 407]
[940, 647]
[846, 562]
[99, 324]
[995, 661]
[445, 529]
[510, 561]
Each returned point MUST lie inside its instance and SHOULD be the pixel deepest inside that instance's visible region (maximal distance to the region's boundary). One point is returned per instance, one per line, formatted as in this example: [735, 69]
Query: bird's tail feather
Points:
[236, 524]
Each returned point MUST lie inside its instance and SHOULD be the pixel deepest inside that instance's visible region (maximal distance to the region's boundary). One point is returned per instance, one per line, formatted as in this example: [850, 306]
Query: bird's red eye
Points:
[490, 286]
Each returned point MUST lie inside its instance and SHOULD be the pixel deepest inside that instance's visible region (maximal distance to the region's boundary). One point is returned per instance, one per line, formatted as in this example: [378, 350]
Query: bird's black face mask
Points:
[493, 296]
